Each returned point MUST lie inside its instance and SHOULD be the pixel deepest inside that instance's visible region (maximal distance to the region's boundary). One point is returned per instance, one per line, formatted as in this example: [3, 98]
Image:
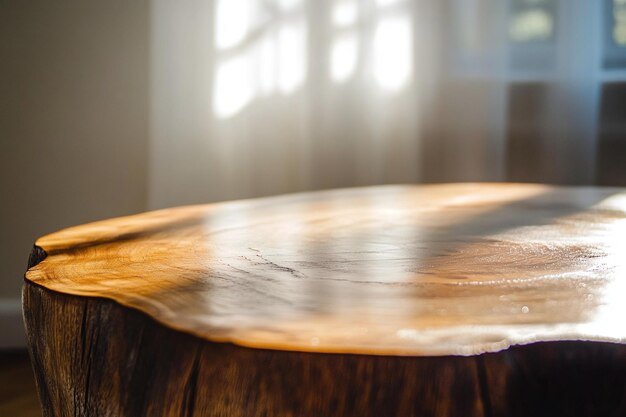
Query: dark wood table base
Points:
[94, 358]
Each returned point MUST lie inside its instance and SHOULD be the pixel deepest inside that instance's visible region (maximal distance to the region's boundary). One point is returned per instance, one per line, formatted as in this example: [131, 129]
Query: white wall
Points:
[73, 125]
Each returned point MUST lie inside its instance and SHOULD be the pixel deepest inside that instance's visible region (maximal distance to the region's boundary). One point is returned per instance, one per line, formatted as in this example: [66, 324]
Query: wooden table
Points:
[435, 300]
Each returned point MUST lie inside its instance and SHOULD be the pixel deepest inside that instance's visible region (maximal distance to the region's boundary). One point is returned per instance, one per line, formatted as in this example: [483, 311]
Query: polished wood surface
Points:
[455, 269]
[469, 300]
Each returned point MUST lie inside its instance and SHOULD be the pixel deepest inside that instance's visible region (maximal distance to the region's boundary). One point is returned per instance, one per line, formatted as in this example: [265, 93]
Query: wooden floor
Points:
[18, 397]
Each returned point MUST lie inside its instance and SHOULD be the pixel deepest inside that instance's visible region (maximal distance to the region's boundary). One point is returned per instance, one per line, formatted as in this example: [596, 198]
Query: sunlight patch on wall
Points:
[268, 71]
[233, 88]
[292, 56]
[261, 50]
[393, 52]
[232, 22]
[384, 3]
[343, 58]
[287, 5]
[344, 13]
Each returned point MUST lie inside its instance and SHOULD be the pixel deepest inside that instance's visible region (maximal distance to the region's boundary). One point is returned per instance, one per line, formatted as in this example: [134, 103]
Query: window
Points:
[532, 21]
[618, 29]
[532, 34]
[614, 33]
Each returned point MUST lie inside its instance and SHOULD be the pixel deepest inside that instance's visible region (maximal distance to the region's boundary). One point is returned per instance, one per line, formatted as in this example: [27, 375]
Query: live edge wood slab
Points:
[435, 300]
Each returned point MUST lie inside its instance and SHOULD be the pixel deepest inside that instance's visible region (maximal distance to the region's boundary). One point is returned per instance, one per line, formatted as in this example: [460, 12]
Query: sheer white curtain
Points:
[257, 97]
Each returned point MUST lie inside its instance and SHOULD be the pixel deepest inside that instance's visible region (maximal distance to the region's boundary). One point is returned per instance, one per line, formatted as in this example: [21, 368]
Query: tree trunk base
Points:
[94, 357]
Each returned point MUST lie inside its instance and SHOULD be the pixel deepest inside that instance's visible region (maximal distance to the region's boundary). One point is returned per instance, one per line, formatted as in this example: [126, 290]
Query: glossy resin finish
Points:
[455, 269]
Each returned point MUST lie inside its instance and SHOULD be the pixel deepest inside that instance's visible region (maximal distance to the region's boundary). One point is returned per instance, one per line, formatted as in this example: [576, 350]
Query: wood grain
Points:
[422, 270]
[440, 300]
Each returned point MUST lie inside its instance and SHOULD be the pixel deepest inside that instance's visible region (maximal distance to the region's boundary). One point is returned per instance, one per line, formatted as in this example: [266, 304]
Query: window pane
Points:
[531, 25]
[619, 22]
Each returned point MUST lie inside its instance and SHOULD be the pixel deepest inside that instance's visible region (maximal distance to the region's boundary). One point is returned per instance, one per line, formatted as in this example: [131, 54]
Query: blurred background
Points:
[115, 107]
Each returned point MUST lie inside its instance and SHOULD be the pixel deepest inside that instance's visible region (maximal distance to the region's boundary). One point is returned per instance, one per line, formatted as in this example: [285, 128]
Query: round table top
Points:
[453, 269]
